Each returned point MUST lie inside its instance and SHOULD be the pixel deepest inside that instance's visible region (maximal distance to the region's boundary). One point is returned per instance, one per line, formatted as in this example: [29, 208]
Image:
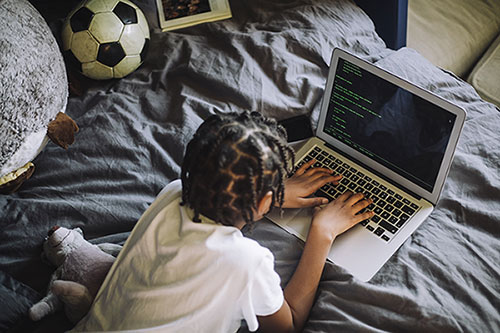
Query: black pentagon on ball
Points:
[72, 61]
[126, 13]
[110, 54]
[81, 19]
[145, 49]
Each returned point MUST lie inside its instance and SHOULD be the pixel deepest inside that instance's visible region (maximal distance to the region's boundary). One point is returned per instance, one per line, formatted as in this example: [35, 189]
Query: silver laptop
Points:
[389, 139]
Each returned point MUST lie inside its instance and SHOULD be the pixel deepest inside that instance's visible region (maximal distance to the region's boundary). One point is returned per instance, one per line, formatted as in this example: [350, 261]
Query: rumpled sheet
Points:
[271, 57]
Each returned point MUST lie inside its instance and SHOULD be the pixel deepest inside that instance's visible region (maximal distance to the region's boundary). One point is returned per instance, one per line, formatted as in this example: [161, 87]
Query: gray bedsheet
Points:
[271, 57]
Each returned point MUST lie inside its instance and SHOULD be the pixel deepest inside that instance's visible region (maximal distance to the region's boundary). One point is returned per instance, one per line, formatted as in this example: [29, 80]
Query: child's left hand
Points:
[303, 183]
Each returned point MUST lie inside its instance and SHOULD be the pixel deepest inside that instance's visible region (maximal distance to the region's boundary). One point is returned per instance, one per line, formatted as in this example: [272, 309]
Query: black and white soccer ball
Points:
[105, 39]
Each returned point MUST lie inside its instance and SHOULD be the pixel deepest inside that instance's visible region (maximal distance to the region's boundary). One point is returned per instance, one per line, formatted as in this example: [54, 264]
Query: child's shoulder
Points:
[174, 186]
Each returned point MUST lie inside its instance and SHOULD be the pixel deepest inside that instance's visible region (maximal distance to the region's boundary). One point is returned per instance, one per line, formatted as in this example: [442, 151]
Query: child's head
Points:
[232, 161]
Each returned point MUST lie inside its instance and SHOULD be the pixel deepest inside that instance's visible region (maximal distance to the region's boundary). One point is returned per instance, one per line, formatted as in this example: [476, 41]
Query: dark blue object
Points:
[390, 18]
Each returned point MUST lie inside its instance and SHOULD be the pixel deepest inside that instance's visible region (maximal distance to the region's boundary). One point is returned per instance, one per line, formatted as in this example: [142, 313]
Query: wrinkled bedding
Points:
[271, 57]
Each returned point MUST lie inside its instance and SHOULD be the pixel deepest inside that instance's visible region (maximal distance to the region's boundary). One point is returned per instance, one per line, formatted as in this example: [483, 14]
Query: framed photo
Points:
[177, 14]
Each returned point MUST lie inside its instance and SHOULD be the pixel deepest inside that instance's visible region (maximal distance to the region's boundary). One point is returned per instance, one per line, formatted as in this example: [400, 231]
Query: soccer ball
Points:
[105, 39]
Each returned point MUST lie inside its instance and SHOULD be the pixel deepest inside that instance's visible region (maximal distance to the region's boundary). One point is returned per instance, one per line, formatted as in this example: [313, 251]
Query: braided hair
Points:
[233, 160]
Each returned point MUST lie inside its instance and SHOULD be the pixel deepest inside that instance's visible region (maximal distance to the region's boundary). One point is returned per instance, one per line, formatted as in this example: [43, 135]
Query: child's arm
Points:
[328, 222]
[303, 183]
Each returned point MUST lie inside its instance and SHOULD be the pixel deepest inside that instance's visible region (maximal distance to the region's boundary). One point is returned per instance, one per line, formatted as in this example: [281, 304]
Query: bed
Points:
[271, 57]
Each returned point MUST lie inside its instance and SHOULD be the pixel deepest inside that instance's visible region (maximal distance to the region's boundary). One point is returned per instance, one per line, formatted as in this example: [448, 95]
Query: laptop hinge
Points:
[387, 179]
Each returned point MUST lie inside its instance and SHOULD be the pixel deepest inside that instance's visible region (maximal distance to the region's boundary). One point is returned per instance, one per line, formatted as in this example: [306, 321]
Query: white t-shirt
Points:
[175, 275]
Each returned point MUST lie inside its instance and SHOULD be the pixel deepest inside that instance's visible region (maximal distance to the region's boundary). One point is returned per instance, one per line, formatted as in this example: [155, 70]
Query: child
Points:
[186, 267]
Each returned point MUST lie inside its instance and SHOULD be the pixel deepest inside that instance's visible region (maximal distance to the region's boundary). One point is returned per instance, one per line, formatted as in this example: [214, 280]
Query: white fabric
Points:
[175, 275]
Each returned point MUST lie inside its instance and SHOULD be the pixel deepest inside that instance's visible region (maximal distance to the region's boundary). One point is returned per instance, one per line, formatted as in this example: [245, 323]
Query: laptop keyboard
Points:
[392, 210]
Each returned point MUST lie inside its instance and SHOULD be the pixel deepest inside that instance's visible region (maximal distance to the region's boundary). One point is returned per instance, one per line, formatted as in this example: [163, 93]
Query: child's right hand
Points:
[340, 215]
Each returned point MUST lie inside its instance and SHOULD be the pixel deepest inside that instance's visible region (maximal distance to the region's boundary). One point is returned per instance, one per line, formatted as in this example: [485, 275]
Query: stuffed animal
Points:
[81, 269]
[33, 92]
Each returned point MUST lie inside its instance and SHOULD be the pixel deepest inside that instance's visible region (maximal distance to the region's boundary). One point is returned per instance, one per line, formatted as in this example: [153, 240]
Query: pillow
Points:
[452, 34]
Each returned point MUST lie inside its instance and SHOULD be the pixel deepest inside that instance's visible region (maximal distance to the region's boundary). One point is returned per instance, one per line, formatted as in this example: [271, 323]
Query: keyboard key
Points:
[345, 181]
[398, 196]
[389, 208]
[381, 203]
[408, 210]
[396, 212]
[320, 158]
[379, 231]
[398, 204]
[352, 186]
[402, 219]
[378, 210]
[347, 174]
[413, 206]
[384, 237]
[391, 192]
[385, 215]
[361, 182]
[369, 227]
[391, 199]
[383, 195]
[376, 190]
[393, 220]
[387, 226]
[406, 201]
[341, 188]
[376, 218]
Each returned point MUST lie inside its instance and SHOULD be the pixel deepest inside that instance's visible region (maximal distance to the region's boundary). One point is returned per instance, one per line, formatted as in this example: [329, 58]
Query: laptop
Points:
[389, 139]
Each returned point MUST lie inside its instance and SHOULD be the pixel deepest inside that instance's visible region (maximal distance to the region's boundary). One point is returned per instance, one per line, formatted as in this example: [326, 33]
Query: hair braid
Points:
[232, 161]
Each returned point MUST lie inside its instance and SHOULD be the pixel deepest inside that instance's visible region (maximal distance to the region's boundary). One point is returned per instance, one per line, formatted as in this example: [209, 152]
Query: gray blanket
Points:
[271, 57]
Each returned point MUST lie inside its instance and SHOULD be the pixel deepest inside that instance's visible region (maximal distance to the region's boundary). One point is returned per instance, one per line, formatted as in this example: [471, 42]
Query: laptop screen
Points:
[391, 125]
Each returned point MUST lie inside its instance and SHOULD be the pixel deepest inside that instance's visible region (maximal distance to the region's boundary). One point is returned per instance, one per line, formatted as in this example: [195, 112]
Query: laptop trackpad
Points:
[295, 221]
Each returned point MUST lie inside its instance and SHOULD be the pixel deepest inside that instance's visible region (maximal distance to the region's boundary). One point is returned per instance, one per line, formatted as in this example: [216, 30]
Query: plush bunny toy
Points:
[81, 269]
